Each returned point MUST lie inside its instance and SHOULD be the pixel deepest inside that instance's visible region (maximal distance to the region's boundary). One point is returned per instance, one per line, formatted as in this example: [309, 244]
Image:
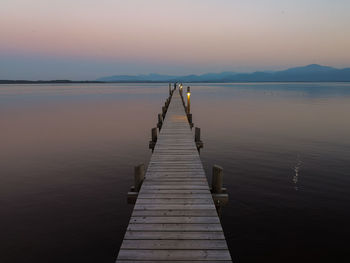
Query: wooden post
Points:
[217, 179]
[154, 134]
[163, 111]
[188, 100]
[197, 134]
[139, 175]
[152, 143]
[160, 121]
[169, 89]
[189, 117]
[197, 138]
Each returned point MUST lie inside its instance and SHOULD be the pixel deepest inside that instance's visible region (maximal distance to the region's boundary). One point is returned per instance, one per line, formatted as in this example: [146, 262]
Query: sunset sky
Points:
[87, 39]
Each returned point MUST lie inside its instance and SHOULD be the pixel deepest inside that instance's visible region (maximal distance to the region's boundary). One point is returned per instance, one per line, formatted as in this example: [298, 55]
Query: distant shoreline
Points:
[130, 82]
[46, 81]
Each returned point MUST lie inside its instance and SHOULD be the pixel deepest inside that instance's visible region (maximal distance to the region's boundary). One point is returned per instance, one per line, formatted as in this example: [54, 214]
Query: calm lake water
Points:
[68, 151]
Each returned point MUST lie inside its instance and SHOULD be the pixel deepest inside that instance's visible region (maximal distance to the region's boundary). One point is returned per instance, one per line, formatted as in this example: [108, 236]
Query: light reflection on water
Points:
[68, 151]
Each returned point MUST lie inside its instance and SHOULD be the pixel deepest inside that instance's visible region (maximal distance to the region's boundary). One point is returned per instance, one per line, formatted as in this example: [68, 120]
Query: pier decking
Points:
[174, 218]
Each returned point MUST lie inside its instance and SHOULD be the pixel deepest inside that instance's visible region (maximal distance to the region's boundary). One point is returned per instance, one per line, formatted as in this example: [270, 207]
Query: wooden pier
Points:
[174, 217]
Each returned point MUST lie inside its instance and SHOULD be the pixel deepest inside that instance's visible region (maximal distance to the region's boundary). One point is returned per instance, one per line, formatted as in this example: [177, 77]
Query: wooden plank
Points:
[179, 235]
[174, 220]
[174, 227]
[175, 244]
[175, 196]
[171, 261]
[173, 207]
[176, 183]
[172, 212]
[176, 179]
[165, 227]
[196, 255]
[182, 201]
[175, 187]
[173, 191]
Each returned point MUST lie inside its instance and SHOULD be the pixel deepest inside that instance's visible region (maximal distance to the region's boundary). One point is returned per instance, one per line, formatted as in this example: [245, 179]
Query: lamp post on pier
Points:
[188, 100]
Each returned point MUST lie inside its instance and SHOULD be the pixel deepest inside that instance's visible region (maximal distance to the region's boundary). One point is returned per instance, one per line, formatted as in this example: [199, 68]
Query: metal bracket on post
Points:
[219, 194]
[139, 176]
[152, 143]
[197, 138]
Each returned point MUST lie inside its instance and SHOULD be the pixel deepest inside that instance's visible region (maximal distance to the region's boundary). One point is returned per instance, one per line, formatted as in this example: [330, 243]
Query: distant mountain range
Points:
[312, 72]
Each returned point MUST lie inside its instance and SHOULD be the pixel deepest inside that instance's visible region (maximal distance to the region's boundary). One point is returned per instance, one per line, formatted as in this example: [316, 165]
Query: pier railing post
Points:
[189, 117]
[139, 175]
[219, 194]
[163, 111]
[160, 121]
[218, 177]
[197, 134]
[154, 134]
[197, 138]
[152, 143]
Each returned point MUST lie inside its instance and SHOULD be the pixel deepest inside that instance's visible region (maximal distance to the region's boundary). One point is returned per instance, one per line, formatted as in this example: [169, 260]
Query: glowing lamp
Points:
[188, 100]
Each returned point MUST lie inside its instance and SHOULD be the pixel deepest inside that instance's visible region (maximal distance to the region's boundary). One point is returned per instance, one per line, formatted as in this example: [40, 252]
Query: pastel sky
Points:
[87, 39]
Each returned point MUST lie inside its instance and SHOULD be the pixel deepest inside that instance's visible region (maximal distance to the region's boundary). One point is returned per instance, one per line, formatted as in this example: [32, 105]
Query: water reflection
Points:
[67, 155]
[296, 175]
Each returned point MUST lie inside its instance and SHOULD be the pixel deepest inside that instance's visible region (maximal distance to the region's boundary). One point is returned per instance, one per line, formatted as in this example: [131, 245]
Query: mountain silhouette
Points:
[311, 72]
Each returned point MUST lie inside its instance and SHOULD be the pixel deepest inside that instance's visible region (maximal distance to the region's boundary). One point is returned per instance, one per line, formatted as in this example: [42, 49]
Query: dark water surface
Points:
[67, 155]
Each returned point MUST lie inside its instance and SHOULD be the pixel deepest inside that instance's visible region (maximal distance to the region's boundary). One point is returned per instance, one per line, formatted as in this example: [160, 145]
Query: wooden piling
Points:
[163, 111]
[189, 117]
[154, 134]
[217, 180]
[160, 121]
[197, 138]
[152, 143]
[139, 176]
[197, 134]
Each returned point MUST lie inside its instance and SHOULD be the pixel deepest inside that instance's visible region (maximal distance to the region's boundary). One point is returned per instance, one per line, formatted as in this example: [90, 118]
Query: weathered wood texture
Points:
[174, 218]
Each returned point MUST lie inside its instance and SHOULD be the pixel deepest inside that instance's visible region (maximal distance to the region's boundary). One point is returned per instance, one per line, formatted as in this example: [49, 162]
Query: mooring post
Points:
[197, 138]
[152, 143]
[160, 121]
[189, 117]
[163, 111]
[139, 175]
[217, 180]
[220, 196]
[154, 134]
[197, 134]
